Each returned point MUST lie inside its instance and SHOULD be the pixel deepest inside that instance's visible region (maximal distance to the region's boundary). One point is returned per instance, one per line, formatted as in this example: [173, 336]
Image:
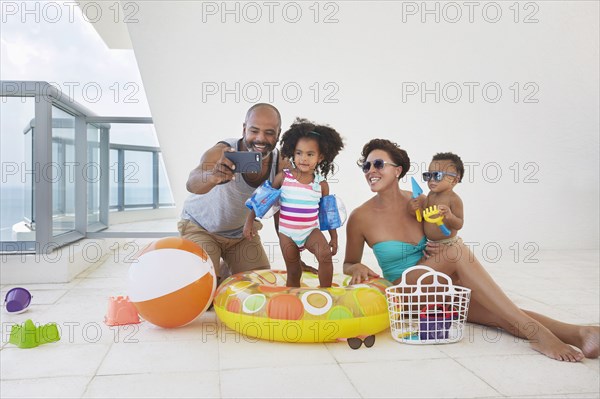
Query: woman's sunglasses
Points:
[436, 176]
[356, 342]
[377, 163]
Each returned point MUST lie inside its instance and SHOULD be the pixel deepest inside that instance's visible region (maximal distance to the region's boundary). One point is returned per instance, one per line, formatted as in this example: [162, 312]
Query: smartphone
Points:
[245, 162]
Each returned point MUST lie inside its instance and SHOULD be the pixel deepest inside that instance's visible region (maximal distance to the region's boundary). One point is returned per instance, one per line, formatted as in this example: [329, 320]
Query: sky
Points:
[67, 52]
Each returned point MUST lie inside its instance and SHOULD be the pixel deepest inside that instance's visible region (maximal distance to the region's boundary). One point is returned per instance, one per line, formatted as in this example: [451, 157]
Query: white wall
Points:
[369, 55]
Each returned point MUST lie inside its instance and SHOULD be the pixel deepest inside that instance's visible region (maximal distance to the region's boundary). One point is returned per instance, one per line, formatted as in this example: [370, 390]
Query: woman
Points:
[384, 218]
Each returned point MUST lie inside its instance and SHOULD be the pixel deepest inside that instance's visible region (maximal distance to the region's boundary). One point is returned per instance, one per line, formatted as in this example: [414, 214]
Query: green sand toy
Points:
[27, 335]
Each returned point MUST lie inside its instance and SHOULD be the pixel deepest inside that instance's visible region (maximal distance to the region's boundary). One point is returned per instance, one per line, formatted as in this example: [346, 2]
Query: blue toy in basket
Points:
[332, 213]
[263, 198]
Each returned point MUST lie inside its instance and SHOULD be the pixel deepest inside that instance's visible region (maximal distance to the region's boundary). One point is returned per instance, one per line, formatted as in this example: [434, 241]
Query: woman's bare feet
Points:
[548, 344]
[589, 341]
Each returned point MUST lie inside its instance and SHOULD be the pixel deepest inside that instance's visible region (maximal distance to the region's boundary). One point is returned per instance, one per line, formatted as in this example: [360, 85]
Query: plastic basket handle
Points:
[436, 281]
[429, 272]
[436, 276]
[413, 269]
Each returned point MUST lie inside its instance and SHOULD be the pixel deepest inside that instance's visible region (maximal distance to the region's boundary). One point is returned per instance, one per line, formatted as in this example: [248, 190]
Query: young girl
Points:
[312, 149]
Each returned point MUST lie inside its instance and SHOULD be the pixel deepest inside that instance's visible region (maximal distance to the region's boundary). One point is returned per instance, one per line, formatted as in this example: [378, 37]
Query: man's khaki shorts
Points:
[240, 254]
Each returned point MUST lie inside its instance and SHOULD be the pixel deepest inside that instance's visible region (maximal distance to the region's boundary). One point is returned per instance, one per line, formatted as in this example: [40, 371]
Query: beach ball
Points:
[172, 283]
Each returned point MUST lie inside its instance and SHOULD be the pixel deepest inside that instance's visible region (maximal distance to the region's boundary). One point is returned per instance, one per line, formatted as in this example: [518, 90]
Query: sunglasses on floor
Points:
[377, 163]
[356, 342]
[436, 176]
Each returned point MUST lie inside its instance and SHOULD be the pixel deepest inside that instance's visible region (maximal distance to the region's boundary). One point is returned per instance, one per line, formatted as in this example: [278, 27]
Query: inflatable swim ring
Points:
[258, 304]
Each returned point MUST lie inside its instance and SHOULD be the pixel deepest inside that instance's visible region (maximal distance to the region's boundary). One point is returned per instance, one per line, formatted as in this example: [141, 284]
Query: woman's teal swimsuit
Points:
[394, 257]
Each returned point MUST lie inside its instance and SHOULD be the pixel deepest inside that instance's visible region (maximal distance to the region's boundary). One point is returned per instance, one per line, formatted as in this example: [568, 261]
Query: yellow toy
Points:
[416, 191]
[428, 215]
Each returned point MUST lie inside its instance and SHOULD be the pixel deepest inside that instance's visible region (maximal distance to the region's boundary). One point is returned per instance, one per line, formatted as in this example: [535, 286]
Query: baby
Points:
[445, 171]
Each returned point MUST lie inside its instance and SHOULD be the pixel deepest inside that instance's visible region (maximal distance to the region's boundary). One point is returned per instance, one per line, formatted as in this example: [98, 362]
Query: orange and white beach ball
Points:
[172, 282]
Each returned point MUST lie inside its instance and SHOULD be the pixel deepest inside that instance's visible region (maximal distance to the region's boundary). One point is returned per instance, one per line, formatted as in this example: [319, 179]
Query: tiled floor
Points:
[203, 359]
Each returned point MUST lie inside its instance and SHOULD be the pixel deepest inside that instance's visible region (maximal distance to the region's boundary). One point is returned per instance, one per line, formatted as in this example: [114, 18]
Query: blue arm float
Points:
[332, 213]
[263, 198]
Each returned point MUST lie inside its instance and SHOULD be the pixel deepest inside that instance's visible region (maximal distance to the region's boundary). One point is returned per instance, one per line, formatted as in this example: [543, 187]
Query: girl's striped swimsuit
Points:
[299, 213]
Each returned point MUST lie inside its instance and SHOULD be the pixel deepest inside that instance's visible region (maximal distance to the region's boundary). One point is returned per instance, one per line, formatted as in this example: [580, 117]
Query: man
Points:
[214, 214]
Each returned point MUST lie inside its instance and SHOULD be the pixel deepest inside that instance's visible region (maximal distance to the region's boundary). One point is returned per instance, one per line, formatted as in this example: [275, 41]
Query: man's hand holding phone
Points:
[232, 162]
[223, 169]
[245, 161]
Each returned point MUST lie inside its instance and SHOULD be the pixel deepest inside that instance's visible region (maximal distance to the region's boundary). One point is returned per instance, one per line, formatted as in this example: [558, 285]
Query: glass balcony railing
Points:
[64, 169]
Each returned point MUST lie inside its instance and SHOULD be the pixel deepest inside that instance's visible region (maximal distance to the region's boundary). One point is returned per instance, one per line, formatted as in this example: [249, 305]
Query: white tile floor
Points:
[203, 359]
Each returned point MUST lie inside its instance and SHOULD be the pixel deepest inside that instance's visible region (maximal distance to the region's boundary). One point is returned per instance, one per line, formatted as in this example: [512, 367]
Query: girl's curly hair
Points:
[330, 142]
[398, 155]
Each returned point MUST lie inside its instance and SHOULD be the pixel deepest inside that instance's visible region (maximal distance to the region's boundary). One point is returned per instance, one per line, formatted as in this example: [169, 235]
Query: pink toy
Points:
[120, 312]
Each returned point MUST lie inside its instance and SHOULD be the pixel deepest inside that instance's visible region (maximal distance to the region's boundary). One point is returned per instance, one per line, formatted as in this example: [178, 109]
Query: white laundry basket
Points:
[432, 313]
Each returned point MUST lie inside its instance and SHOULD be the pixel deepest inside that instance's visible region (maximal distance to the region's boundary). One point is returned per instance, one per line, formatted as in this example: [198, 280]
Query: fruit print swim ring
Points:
[258, 304]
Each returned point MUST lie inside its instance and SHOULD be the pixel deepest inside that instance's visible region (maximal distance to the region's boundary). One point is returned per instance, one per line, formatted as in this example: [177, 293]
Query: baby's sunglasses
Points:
[377, 163]
[437, 176]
